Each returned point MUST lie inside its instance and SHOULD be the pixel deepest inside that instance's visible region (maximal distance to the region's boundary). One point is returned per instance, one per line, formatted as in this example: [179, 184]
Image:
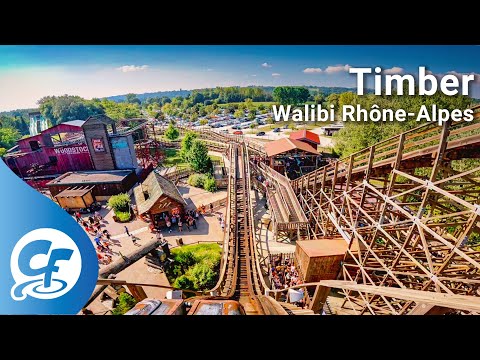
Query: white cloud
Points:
[337, 68]
[312, 70]
[393, 70]
[476, 76]
[266, 65]
[209, 70]
[275, 74]
[132, 68]
[253, 75]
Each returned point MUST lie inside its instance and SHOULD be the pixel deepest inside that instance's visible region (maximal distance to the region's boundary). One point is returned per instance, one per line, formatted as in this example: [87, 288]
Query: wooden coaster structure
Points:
[408, 207]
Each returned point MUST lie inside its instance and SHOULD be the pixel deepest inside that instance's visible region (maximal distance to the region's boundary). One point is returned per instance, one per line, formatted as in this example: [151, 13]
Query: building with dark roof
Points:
[103, 183]
[157, 197]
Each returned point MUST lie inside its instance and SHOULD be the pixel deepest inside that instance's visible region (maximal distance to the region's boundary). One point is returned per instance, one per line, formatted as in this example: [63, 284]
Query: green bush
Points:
[120, 203]
[171, 133]
[123, 216]
[196, 180]
[209, 184]
[125, 303]
[184, 282]
[202, 276]
[195, 267]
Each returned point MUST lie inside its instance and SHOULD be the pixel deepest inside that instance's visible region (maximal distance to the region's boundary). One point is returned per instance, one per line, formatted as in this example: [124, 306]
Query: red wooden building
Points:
[57, 150]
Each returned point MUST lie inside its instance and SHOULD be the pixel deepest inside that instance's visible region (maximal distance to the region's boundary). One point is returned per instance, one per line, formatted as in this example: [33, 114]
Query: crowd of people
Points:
[189, 220]
[283, 272]
[93, 226]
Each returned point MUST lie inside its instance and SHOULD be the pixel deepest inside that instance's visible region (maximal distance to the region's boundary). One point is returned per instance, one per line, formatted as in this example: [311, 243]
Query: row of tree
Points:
[59, 109]
[359, 135]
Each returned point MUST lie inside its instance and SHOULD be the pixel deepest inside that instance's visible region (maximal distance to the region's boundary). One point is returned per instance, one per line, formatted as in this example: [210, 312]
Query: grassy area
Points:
[172, 158]
[195, 267]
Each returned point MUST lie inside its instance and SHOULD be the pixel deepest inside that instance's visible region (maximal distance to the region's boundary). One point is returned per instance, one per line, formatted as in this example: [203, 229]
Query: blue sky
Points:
[29, 72]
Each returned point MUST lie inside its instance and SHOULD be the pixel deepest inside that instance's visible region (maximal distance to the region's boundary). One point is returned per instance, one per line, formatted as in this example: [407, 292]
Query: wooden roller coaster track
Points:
[407, 207]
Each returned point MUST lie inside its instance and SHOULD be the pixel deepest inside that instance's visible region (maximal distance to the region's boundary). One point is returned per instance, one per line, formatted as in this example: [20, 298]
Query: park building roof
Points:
[285, 145]
[152, 189]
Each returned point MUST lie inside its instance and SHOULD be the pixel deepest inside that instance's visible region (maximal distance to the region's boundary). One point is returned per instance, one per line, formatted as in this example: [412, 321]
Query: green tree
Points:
[194, 117]
[252, 115]
[239, 114]
[356, 136]
[319, 98]
[8, 137]
[253, 125]
[171, 132]
[132, 99]
[332, 99]
[121, 110]
[291, 95]
[249, 104]
[67, 108]
[198, 157]
[187, 144]
[203, 122]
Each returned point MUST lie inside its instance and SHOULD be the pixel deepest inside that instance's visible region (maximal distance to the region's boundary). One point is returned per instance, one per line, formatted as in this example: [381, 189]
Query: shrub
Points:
[209, 184]
[195, 267]
[123, 216]
[202, 276]
[125, 303]
[120, 203]
[171, 133]
[196, 180]
[183, 282]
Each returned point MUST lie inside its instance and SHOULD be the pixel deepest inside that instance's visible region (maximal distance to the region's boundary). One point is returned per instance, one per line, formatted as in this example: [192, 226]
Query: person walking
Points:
[194, 222]
[169, 225]
[78, 216]
[211, 208]
[180, 225]
[223, 225]
[126, 231]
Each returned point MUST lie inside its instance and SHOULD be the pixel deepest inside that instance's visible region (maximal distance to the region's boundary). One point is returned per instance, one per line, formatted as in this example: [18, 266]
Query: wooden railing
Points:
[290, 194]
[417, 143]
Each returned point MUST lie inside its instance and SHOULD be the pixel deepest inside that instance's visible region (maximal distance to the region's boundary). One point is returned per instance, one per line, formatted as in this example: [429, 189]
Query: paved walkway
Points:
[208, 230]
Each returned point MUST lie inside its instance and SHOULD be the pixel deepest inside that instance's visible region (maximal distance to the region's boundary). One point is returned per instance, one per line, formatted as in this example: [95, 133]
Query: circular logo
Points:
[45, 264]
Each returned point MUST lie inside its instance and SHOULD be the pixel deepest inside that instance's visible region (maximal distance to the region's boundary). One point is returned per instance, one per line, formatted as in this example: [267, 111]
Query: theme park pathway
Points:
[208, 230]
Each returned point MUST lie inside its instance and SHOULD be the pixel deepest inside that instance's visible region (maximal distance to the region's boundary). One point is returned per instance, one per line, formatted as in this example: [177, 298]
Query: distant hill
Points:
[174, 93]
[144, 96]
[18, 112]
